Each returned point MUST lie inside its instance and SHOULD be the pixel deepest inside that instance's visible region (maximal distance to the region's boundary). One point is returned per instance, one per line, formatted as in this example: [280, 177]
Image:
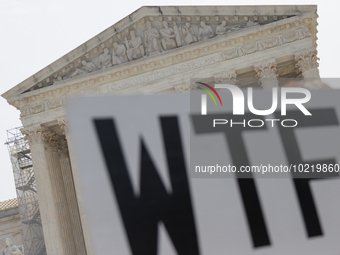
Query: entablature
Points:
[158, 31]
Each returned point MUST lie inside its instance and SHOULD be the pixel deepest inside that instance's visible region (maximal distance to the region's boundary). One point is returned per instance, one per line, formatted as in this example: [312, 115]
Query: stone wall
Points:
[10, 223]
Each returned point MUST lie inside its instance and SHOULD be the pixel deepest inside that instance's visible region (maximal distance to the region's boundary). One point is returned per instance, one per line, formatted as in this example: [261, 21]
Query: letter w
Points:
[141, 215]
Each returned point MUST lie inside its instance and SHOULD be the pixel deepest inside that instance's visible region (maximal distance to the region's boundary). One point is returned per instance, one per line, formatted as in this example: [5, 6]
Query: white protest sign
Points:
[143, 197]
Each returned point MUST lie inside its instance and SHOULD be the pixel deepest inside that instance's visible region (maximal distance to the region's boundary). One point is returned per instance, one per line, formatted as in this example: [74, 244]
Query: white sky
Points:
[35, 33]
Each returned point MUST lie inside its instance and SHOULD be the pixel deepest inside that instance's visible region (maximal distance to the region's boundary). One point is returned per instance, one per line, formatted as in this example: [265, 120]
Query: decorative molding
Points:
[266, 69]
[194, 53]
[62, 143]
[39, 134]
[267, 73]
[176, 68]
[14, 234]
[185, 87]
[62, 148]
[51, 141]
[226, 78]
[63, 124]
[261, 45]
[9, 219]
[43, 106]
[306, 60]
[153, 36]
[34, 134]
[28, 107]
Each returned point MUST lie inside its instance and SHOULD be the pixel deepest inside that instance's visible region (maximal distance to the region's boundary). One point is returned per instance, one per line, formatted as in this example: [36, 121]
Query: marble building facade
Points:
[10, 224]
[154, 49]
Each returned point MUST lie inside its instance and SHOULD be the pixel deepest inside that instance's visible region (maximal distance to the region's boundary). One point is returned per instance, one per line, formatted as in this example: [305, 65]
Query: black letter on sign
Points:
[322, 117]
[141, 215]
[250, 198]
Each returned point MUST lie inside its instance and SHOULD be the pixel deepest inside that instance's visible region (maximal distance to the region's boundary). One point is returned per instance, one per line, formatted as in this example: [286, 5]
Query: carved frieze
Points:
[43, 106]
[156, 35]
[90, 87]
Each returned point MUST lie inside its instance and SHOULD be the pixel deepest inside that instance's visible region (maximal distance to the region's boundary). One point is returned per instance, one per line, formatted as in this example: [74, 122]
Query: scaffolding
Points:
[21, 160]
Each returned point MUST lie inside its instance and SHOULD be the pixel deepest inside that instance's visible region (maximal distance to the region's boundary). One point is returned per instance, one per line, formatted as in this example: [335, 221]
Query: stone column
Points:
[59, 195]
[226, 78]
[36, 136]
[306, 63]
[71, 196]
[86, 233]
[267, 73]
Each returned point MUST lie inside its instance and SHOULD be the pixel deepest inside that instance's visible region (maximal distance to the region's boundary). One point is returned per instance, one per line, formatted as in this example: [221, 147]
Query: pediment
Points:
[152, 31]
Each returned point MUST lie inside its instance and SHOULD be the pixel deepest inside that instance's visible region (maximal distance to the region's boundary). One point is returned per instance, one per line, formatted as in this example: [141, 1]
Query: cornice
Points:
[9, 219]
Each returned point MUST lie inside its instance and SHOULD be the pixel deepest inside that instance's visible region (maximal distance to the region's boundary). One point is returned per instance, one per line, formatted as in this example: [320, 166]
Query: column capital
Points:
[62, 148]
[63, 124]
[34, 134]
[266, 69]
[185, 87]
[267, 73]
[226, 78]
[51, 141]
[307, 63]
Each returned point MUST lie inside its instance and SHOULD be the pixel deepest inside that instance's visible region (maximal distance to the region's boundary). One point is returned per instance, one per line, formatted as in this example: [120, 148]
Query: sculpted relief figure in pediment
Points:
[188, 33]
[135, 48]
[86, 68]
[58, 79]
[152, 36]
[205, 32]
[168, 41]
[178, 35]
[235, 28]
[104, 59]
[222, 29]
[119, 54]
[251, 23]
[151, 39]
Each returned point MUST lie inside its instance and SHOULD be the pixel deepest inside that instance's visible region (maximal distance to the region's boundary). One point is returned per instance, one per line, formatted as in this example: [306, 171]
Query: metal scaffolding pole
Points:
[20, 156]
